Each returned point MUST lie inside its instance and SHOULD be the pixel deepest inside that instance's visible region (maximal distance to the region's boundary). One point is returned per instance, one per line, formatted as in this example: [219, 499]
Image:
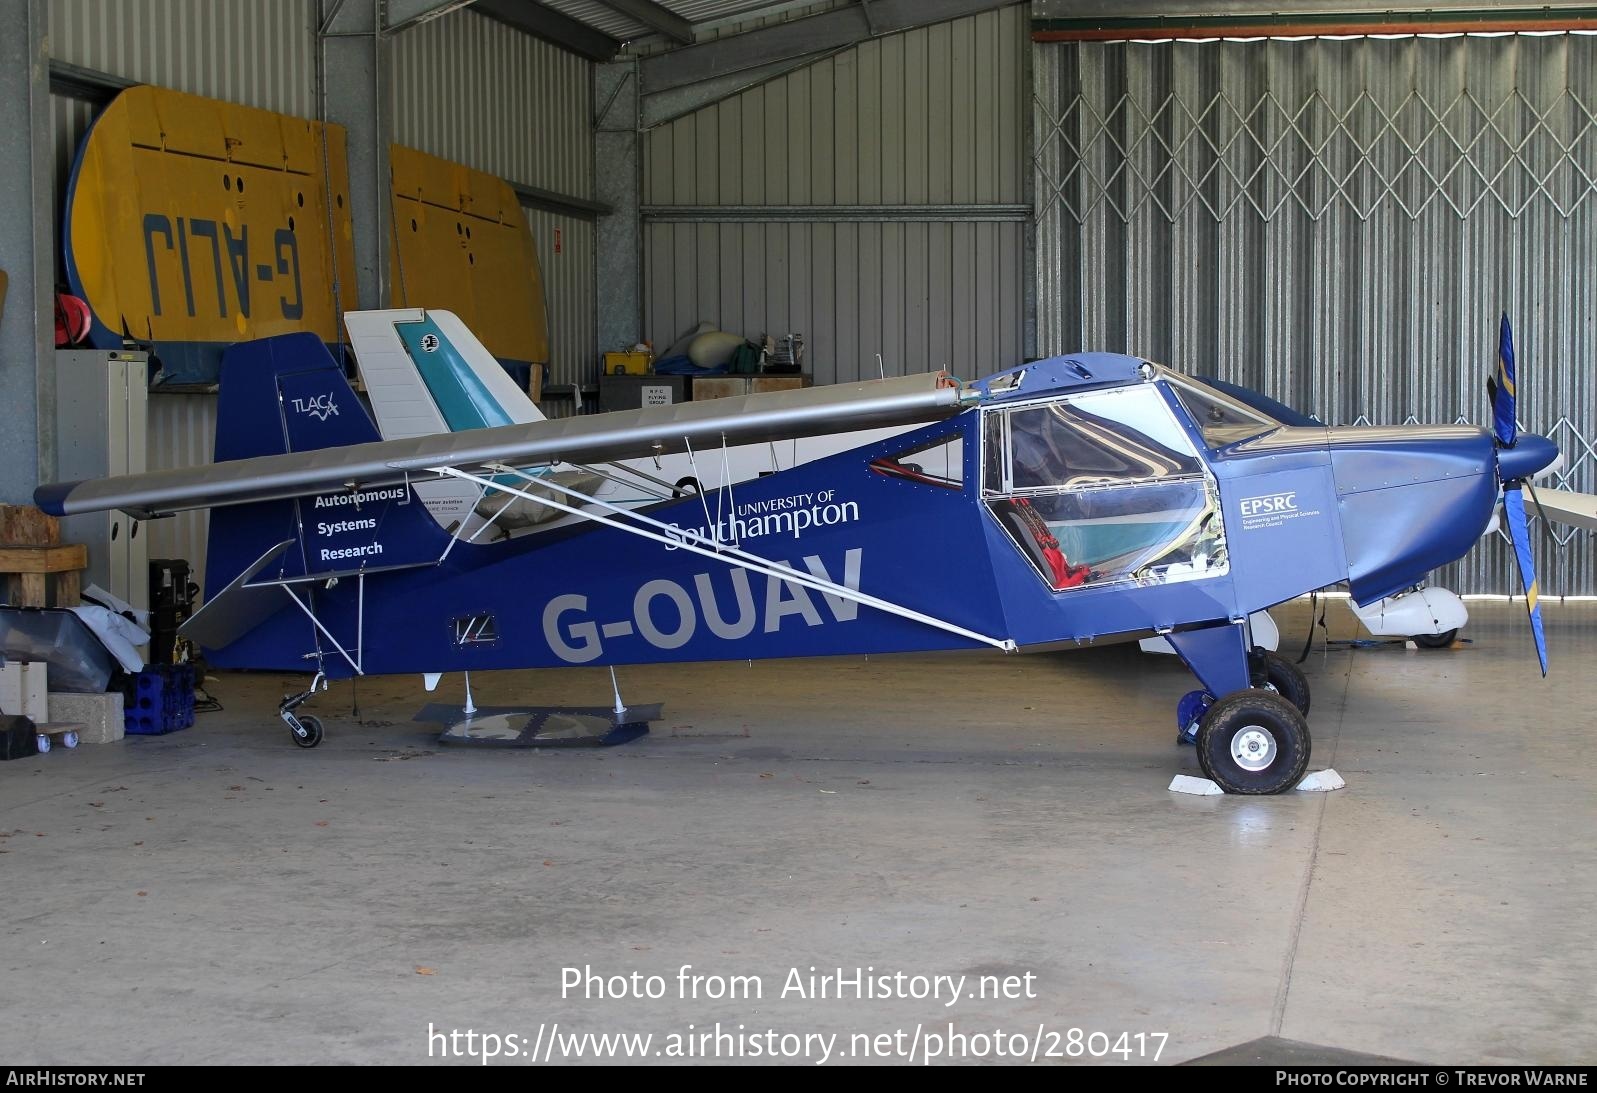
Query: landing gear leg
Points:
[307, 731]
[1273, 672]
[1254, 738]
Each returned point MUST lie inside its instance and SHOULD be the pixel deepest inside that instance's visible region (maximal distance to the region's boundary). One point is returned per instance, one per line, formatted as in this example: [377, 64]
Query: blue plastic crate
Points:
[159, 700]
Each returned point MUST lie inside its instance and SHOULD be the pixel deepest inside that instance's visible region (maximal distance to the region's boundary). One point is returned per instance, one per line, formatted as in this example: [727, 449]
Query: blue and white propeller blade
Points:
[1505, 426]
[1519, 532]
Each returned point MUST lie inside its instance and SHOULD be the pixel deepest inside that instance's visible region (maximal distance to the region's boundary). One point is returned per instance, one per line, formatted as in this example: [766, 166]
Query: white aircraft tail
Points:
[425, 373]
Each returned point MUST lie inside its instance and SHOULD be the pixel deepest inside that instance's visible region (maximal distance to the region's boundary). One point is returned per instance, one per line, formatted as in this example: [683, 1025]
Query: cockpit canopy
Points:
[1102, 487]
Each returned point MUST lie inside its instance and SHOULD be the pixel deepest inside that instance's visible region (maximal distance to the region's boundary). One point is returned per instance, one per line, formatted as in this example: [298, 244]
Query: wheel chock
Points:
[1320, 781]
[1186, 783]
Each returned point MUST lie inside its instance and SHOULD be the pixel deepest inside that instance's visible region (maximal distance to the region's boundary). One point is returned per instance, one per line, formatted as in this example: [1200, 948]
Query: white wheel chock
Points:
[1319, 781]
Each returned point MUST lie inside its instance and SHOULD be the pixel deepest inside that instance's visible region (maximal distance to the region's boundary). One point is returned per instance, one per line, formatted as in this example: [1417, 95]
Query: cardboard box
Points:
[99, 716]
[24, 690]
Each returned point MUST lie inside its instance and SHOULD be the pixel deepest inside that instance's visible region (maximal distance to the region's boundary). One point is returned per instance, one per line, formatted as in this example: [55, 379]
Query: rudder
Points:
[288, 394]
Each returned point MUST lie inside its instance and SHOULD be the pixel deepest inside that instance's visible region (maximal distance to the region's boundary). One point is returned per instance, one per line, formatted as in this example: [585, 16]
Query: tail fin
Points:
[426, 373]
[287, 394]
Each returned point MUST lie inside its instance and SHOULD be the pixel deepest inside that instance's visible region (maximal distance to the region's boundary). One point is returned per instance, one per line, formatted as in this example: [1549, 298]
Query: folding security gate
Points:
[1337, 223]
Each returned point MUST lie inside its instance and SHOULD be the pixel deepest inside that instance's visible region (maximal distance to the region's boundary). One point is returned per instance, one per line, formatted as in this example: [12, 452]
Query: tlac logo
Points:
[429, 343]
[320, 407]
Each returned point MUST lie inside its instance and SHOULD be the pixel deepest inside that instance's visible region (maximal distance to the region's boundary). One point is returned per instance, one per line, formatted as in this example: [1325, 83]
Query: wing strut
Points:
[360, 624]
[729, 554]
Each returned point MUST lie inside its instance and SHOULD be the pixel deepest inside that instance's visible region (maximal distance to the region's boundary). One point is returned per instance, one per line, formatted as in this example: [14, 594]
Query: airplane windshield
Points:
[1222, 419]
[1100, 488]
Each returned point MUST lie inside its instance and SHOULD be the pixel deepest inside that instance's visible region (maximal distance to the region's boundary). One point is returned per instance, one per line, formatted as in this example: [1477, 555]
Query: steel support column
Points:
[27, 343]
[353, 85]
[618, 182]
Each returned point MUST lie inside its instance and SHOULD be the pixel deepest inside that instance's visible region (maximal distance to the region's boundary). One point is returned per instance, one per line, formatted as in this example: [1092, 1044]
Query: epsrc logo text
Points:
[1268, 503]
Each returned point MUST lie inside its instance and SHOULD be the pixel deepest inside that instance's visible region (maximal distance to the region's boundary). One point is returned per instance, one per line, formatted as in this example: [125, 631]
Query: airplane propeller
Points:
[1516, 463]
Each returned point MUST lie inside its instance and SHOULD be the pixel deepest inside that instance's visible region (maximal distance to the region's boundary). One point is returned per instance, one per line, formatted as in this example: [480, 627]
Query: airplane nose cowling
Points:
[1411, 499]
[1529, 455]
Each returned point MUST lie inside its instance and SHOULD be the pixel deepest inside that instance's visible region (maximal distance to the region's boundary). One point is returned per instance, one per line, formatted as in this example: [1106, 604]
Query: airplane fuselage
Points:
[1195, 531]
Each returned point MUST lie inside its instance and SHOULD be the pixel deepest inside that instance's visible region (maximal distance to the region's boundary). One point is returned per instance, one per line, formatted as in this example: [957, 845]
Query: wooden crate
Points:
[709, 387]
[759, 385]
[32, 558]
[24, 525]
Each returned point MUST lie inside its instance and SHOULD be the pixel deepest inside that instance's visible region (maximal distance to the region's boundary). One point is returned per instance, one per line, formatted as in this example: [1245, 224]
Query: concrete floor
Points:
[222, 896]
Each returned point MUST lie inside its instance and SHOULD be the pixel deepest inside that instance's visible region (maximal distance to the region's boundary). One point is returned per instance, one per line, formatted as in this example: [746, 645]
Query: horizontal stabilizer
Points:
[596, 438]
[238, 608]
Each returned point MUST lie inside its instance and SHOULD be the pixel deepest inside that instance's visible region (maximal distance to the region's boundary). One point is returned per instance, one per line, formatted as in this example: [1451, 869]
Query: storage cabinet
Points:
[101, 406]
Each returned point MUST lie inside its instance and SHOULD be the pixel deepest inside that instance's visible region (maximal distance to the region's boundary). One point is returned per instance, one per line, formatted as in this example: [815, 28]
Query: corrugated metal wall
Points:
[257, 52]
[930, 118]
[484, 94]
[481, 93]
[1336, 223]
[570, 295]
[182, 434]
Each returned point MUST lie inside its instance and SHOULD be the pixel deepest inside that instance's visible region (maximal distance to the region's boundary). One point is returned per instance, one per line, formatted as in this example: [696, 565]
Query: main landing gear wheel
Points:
[1253, 742]
[313, 731]
[1273, 672]
[1443, 640]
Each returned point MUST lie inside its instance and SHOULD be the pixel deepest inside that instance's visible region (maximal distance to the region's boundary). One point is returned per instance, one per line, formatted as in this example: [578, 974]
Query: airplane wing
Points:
[1566, 507]
[595, 438]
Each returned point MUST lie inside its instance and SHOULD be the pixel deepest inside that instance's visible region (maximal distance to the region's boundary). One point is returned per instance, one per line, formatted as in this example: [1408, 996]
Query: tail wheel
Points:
[1274, 672]
[1254, 742]
[313, 732]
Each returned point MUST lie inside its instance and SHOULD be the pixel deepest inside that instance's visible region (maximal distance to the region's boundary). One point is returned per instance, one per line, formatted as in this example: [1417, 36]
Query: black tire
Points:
[1257, 723]
[687, 487]
[313, 732]
[1277, 673]
[1443, 640]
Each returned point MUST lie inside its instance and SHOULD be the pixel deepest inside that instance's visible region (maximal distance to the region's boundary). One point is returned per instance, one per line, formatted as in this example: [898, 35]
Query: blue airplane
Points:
[1085, 497]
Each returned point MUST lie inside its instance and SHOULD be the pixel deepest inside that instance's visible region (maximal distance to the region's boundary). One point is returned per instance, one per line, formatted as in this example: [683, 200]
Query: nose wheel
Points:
[1254, 742]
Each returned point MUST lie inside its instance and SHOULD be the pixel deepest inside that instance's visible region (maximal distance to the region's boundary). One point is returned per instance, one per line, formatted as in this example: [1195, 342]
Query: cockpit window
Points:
[1220, 418]
[1100, 488]
[939, 462]
[1100, 438]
